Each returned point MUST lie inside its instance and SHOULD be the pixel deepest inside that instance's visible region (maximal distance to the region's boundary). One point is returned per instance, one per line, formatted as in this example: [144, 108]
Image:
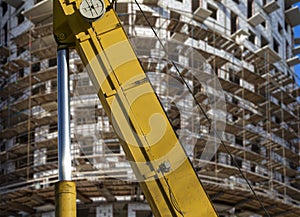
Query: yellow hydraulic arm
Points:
[166, 175]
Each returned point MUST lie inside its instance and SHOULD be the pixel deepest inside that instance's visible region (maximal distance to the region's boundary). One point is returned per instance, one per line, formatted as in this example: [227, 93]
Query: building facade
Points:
[247, 47]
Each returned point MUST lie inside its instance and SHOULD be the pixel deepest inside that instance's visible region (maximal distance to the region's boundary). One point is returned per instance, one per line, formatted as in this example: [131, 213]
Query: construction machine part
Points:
[65, 199]
[165, 173]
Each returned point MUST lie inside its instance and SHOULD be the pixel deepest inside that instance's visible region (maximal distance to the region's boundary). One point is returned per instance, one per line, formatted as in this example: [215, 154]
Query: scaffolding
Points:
[262, 127]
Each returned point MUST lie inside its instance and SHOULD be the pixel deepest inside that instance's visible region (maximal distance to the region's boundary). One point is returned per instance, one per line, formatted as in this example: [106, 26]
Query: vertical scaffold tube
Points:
[65, 189]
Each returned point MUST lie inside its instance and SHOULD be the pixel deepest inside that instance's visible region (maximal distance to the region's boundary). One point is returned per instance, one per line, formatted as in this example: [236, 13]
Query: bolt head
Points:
[61, 36]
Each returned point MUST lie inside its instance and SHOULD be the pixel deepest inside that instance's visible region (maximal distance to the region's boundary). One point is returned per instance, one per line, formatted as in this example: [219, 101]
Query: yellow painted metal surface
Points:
[65, 199]
[166, 175]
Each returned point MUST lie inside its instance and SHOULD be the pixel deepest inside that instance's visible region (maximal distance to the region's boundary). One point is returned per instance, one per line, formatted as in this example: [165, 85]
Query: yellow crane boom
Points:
[166, 175]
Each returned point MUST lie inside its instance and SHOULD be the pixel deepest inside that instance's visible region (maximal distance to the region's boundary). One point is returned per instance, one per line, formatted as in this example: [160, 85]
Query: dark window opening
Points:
[4, 59]
[5, 35]
[255, 148]
[214, 11]
[112, 148]
[37, 1]
[264, 41]
[213, 158]
[4, 8]
[53, 128]
[23, 139]
[53, 84]
[175, 17]
[237, 1]
[279, 102]
[21, 73]
[195, 5]
[250, 8]
[36, 67]
[20, 18]
[264, 2]
[277, 120]
[20, 50]
[263, 24]
[287, 49]
[280, 29]
[276, 45]
[293, 165]
[239, 141]
[252, 37]
[234, 118]
[83, 212]
[39, 89]
[233, 22]
[216, 71]
[234, 79]
[238, 161]
[235, 101]
[52, 62]
[2, 147]
[143, 213]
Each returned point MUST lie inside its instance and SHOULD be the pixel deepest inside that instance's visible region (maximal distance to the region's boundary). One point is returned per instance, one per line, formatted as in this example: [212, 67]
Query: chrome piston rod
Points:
[64, 141]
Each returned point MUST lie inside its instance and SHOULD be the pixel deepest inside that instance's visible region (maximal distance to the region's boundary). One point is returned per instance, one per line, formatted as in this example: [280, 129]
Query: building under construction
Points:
[247, 45]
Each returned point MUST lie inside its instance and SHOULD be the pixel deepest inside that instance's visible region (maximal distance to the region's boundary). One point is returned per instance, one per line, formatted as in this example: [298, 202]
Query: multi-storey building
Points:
[250, 48]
